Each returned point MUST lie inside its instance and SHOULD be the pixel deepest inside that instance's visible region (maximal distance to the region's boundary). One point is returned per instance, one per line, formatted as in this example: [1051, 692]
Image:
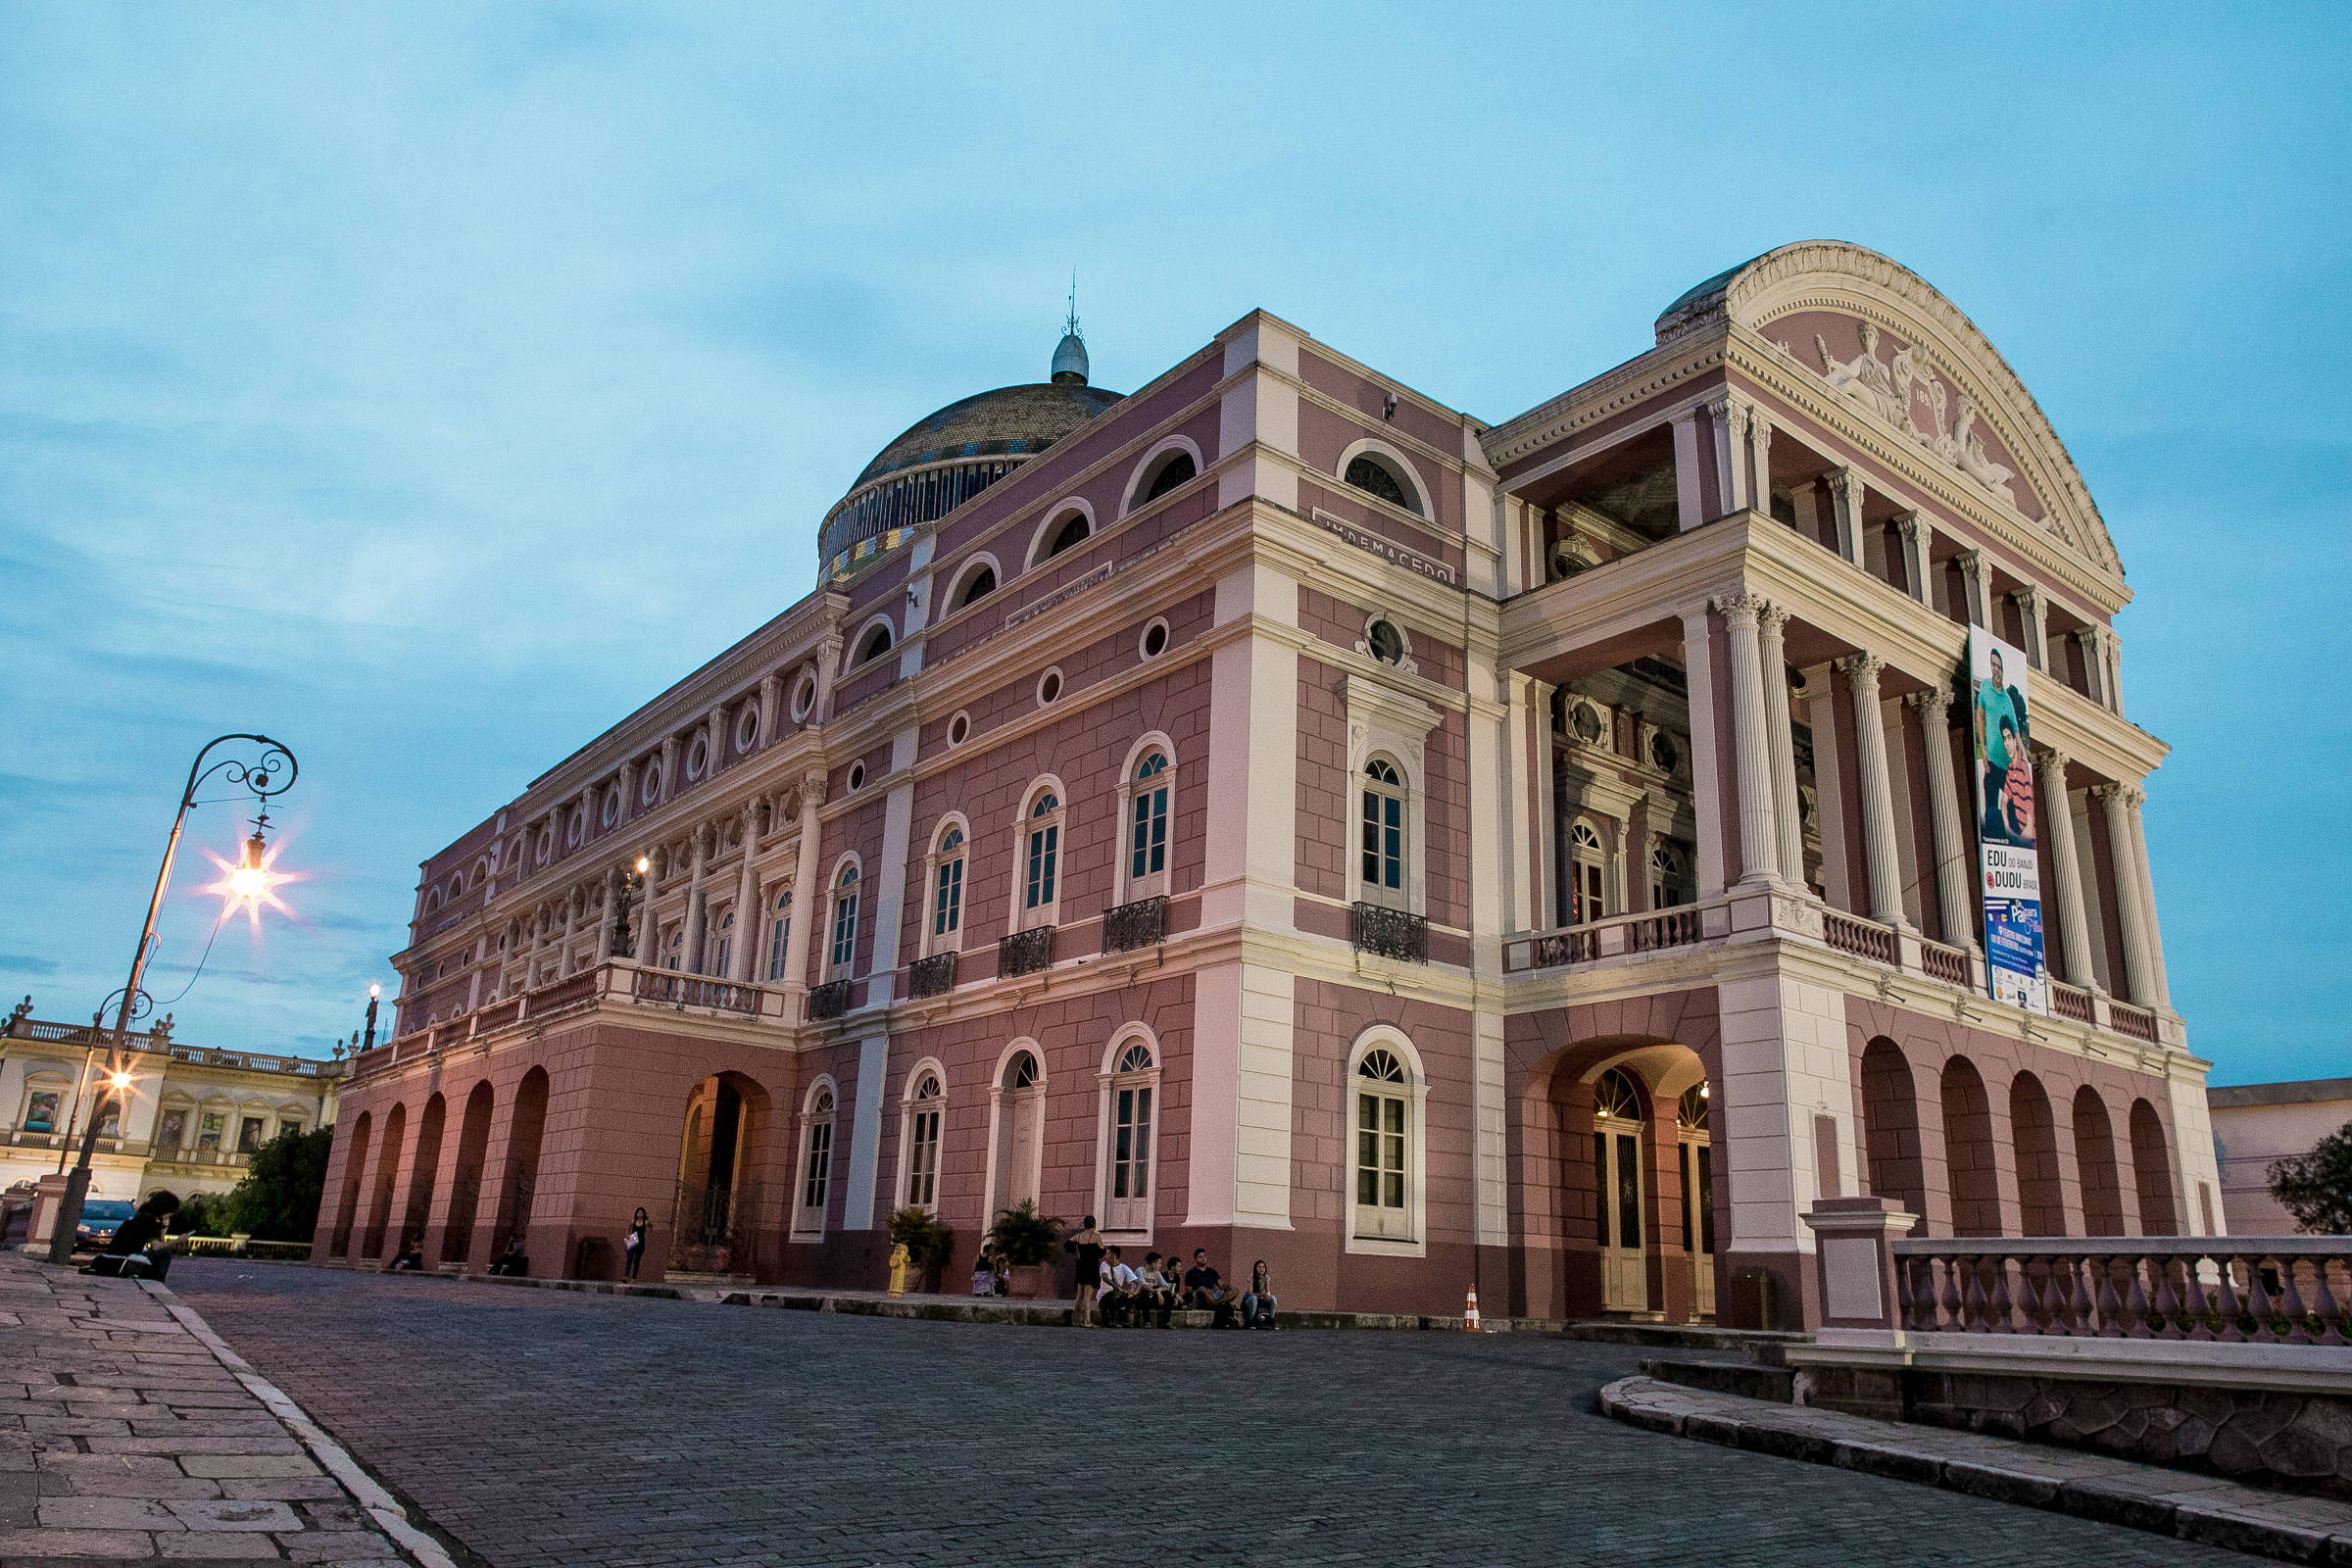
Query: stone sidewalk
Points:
[129, 1431]
[2169, 1502]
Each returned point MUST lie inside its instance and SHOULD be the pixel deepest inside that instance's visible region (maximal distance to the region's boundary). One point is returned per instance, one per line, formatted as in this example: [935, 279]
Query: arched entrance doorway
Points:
[1021, 1121]
[1618, 1133]
[712, 1229]
[1696, 1160]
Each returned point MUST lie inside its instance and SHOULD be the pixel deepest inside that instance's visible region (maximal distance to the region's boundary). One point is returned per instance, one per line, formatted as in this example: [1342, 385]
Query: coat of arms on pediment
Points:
[1907, 393]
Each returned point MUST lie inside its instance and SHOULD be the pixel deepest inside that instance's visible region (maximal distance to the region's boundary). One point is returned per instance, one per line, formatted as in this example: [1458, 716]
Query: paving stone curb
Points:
[386, 1510]
[2168, 1502]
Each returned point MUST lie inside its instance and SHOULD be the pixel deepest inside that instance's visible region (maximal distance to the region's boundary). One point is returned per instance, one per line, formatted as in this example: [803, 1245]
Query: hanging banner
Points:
[2007, 848]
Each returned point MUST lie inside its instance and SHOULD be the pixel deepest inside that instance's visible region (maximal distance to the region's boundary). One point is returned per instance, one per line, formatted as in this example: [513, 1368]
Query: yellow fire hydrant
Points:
[897, 1269]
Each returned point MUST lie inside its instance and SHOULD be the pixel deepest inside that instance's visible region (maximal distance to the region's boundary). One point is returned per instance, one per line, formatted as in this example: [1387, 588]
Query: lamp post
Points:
[266, 777]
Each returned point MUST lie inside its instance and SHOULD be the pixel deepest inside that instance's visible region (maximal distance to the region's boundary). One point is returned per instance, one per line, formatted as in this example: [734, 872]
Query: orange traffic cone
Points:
[1470, 1312]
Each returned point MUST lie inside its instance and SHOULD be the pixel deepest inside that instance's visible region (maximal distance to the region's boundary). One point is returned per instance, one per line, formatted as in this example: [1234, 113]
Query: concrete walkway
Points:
[2168, 1502]
[129, 1432]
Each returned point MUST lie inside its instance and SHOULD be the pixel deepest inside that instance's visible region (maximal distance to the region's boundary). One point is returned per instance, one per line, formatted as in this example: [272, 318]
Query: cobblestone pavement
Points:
[122, 1438]
[549, 1428]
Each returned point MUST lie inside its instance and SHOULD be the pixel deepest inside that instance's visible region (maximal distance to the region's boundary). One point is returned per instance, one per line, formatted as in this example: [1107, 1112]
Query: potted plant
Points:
[926, 1240]
[1027, 1240]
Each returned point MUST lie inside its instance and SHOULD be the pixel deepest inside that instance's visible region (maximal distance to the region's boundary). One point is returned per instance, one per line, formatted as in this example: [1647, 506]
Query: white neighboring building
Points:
[195, 1115]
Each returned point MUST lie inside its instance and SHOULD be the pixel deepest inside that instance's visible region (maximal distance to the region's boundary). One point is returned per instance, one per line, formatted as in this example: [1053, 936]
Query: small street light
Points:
[266, 776]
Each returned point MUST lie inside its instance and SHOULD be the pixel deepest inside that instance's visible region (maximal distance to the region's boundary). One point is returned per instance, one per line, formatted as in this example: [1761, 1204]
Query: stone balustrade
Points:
[2264, 1289]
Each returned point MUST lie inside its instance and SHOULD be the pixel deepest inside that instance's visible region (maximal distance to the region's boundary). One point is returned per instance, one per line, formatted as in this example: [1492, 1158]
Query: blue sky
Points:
[429, 386]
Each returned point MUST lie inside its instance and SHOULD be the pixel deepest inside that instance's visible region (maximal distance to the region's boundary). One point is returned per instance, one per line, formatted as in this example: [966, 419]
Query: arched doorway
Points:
[1021, 1119]
[387, 1170]
[423, 1167]
[1697, 1157]
[711, 1228]
[1618, 1129]
[522, 1174]
[355, 1175]
[465, 1188]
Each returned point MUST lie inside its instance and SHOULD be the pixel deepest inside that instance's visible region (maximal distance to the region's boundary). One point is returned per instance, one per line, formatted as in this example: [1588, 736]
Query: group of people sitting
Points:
[1123, 1296]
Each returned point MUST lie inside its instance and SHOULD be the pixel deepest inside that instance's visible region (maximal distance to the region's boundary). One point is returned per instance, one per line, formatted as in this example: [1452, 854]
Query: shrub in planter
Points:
[1027, 1242]
[927, 1240]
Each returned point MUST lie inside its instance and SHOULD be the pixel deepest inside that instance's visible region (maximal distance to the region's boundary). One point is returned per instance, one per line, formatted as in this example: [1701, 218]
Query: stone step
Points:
[1743, 1378]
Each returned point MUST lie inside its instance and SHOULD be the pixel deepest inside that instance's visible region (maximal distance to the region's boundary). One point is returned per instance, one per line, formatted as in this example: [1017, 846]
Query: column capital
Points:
[1739, 609]
[2051, 756]
[1862, 668]
[1847, 483]
[2027, 596]
[1771, 617]
[1908, 524]
[813, 788]
[2118, 793]
[1932, 701]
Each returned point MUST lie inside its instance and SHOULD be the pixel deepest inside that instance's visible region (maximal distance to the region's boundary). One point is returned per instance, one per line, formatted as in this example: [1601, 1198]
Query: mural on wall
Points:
[1907, 393]
[2007, 858]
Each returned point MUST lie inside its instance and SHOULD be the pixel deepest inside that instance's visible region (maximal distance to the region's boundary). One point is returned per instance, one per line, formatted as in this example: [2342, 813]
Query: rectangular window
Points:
[1130, 1160]
[172, 1130]
[1379, 1151]
[1628, 1190]
[249, 1135]
[41, 1112]
[1042, 847]
[1600, 1169]
[726, 952]
[779, 934]
[290, 1126]
[207, 1131]
[946, 904]
[1706, 1199]
[820, 1168]
[922, 1165]
[844, 930]
[1384, 841]
[1150, 852]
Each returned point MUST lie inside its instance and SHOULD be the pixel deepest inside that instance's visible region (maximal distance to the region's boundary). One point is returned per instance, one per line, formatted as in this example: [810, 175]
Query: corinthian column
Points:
[747, 909]
[2147, 894]
[2131, 909]
[807, 898]
[1759, 839]
[2054, 815]
[612, 906]
[1878, 793]
[1953, 874]
[571, 903]
[1781, 743]
[697, 902]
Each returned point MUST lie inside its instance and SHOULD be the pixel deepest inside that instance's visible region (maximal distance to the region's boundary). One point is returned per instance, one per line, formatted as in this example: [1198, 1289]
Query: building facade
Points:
[193, 1119]
[2257, 1125]
[1276, 813]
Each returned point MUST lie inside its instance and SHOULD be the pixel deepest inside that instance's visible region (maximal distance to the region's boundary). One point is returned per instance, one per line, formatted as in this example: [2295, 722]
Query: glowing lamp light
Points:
[119, 1080]
[644, 864]
[374, 991]
[253, 880]
[250, 880]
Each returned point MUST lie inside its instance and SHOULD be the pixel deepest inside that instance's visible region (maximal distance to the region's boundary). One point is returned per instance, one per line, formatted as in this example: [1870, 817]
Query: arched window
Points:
[779, 934]
[1665, 877]
[945, 933]
[1127, 1182]
[1071, 532]
[722, 959]
[873, 645]
[923, 1109]
[1586, 863]
[1018, 1133]
[1377, 477]
[842, 953]
[1382, 868]
[675, 955]
[1697, 1154]
[1147, 826]
[1040, 890]
[983, 583]
[816, 1164]
[1617, 1179]
[1178, 469]
[1387, 1157]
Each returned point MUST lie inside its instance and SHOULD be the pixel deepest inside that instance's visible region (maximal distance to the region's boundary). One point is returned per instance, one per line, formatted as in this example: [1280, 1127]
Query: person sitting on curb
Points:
[1126, 1287]
[512, 1262]
[1088, 1245]
[1258, 1306]
[1159, 1290]
[410, 1259]
[128, 1251]
[1206, 1290]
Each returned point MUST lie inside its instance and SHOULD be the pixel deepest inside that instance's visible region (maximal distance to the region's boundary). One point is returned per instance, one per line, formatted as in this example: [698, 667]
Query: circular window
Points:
[1386, 642]
[1664, 753]
[1049, 687]
[747, 727]
[651, 790]
[803, 698]
[1155, 639]
[1586, 722]
[697, 756]
[611, 812]
[856, 777]
[959, 729]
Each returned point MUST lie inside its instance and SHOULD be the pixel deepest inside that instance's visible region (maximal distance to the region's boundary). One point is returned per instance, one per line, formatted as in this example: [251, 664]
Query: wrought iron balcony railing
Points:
[1135, 926]
[934, 976]
[829, 1000]
[1389, 933]
[1025, 951]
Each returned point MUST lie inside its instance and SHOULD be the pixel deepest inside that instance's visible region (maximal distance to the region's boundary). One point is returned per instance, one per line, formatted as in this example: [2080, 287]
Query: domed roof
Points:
[1022, 419]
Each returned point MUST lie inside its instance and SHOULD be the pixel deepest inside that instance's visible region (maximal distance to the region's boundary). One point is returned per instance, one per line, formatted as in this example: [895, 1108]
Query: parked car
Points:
[101, 1218]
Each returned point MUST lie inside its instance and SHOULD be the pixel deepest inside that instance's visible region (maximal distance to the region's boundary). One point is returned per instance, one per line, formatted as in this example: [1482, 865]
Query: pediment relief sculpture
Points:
[1907, 393]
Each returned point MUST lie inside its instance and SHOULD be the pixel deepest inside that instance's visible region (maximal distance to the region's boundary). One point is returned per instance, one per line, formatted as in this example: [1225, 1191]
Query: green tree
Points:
[278, 1199]
[2316, 1187]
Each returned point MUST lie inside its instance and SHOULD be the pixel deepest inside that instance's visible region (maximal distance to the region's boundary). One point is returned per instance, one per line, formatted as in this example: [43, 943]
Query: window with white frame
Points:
[1379, 475]
[1381, 871]
[722, 959]
[816, 1164]
[1038, 895]
[675, 955]
[1666, 877]
[841, 953]
[1149, 793]
[779, 934]
[1128, 1177]
[1383, 1137]
[924, 1107]
[942, 932]
[1586, 861]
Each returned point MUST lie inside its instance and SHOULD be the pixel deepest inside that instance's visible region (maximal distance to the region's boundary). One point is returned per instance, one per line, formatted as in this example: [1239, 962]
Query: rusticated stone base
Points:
[2295, 1441]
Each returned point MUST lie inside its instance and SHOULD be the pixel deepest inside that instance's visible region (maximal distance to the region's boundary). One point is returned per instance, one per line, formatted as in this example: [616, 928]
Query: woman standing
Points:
[633, 1248]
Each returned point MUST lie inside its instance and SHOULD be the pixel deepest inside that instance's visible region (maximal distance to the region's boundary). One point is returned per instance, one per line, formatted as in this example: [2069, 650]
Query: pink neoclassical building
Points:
[1274, 812]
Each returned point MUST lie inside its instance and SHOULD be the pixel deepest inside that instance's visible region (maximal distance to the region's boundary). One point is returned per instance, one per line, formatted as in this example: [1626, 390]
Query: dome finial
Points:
[1070, 368]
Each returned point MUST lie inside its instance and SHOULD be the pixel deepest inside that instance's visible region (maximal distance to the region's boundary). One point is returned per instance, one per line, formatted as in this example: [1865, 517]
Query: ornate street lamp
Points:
[268, 776]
